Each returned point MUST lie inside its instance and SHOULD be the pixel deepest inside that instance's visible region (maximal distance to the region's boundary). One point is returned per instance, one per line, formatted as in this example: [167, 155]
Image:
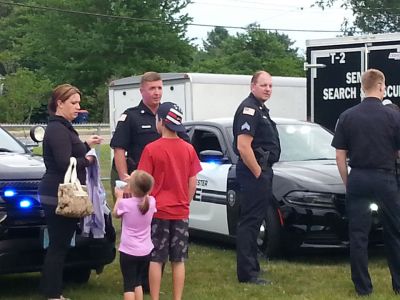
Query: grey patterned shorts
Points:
[170, 239]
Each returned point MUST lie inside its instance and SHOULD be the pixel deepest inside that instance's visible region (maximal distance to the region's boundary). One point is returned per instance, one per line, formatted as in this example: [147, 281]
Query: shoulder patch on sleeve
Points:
[122, 118]
[249, 111]
[245, 126]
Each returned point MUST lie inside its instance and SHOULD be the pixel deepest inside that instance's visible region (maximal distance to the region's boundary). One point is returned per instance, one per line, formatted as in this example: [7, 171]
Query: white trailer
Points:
[205, 96]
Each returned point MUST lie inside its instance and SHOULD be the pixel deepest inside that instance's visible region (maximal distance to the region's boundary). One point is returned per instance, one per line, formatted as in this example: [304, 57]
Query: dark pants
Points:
[256, 196]
[363, 187]
[61, 230]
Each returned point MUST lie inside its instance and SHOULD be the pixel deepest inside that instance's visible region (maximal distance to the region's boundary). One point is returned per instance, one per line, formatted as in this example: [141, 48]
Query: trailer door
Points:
[386, 58]
[335, 87]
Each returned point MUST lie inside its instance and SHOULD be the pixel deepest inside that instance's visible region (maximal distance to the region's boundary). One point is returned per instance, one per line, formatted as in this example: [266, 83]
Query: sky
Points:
[278, 14]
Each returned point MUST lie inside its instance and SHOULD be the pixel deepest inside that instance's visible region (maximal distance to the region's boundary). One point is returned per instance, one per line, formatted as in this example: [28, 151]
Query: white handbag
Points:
[73, 199]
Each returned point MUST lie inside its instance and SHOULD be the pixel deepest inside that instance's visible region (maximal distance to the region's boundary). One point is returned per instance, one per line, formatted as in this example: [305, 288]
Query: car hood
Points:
[318, 175]
[15, 166]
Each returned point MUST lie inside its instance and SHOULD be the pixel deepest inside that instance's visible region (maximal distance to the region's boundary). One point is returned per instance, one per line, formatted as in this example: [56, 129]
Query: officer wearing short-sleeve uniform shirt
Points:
[256, 141]
[368, 134]
[135, 129]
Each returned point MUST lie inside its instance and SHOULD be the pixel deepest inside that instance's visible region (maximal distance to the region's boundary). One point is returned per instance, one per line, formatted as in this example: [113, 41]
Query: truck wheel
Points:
[77, 275]
[269, 239]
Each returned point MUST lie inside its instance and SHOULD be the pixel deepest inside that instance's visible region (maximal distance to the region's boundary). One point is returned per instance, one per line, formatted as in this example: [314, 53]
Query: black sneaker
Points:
[259, 281]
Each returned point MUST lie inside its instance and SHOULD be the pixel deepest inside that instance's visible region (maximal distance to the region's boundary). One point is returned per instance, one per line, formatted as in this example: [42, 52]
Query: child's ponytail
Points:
[144, 205]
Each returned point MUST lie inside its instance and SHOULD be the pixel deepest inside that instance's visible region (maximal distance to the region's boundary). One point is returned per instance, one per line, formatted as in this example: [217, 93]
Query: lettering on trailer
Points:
[343, 93]
[392, 91]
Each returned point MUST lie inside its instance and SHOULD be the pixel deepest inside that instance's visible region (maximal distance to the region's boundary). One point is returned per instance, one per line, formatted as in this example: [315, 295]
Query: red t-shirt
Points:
[171, 161]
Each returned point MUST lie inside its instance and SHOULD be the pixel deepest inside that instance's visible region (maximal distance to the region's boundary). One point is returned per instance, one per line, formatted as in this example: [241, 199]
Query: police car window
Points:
[205, 140]
[305, 142]
[9, 144]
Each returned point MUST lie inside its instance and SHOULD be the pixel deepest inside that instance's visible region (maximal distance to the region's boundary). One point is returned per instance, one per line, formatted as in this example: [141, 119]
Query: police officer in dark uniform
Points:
[369, 135]
[136, 128]
[256, 141]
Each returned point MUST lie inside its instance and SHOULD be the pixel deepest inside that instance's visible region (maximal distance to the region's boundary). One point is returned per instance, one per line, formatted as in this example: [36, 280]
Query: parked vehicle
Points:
[309, 196]
[334, 67]
[22, 223]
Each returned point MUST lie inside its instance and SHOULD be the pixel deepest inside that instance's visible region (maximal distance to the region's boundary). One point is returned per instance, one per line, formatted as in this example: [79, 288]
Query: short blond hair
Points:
[371, 78]
[150, 77]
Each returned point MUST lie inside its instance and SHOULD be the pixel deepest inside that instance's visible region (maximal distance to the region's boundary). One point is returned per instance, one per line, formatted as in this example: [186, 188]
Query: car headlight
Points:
[325, 200]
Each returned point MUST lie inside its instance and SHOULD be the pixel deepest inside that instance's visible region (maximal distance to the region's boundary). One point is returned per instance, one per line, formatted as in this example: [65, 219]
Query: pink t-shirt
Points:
[136, 228]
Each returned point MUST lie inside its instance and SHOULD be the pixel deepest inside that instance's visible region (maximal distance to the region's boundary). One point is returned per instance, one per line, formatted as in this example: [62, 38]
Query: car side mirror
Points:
[37, 133]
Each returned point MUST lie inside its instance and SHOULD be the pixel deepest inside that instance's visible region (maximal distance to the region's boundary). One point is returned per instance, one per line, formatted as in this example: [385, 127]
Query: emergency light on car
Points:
[25, 203]
[9, 193]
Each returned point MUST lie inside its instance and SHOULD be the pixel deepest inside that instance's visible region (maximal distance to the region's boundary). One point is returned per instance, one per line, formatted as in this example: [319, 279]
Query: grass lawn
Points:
[211, 274]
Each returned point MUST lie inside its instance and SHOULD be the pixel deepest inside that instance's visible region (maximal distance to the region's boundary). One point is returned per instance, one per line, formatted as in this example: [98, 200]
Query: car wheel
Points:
[77, 275]
[269, 239]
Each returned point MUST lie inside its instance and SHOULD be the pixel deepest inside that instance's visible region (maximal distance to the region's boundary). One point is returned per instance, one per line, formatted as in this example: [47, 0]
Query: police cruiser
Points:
[309, 196]
[22, 224]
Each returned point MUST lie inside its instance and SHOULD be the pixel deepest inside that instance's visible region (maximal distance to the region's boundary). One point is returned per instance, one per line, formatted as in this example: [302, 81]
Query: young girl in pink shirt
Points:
[136, 245]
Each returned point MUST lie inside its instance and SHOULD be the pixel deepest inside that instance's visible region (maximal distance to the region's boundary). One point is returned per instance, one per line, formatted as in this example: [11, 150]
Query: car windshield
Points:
[305, 141]
[9, 144]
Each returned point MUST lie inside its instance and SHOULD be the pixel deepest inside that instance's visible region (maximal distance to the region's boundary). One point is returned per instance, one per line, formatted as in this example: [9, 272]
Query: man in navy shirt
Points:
[368, 134]
[256, 141]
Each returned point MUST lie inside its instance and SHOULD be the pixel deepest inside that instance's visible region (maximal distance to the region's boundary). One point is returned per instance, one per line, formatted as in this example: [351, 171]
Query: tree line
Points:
[88, 43]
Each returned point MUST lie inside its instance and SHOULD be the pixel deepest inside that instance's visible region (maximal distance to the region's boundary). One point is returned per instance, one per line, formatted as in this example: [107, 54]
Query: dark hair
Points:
[61, 92]
[141, 183]
[150, 77]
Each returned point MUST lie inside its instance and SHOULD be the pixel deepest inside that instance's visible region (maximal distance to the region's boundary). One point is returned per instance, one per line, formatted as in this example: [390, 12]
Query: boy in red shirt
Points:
[174, 165]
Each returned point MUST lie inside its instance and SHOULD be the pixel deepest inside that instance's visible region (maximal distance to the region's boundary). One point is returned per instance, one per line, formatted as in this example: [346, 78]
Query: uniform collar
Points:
[372, 100]
[143, 108]
[258, 103]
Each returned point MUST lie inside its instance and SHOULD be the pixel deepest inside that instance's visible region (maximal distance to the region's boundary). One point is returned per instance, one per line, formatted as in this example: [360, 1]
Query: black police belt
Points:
[262, 157]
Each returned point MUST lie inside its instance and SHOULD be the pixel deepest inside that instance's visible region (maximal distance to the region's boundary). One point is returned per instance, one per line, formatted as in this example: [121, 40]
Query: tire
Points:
[269, 239]
[77, 275]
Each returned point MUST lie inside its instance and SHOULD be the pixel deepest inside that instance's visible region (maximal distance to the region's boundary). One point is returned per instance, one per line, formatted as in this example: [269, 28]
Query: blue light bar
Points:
[9, 193]
[25, 203]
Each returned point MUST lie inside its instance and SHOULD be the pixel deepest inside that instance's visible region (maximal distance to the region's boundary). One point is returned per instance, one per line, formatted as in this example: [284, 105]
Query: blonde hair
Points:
[149, 77]
[141, 183]
[371, 78]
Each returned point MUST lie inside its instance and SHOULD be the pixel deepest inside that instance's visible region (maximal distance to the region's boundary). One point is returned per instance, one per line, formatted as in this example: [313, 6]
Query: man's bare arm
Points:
[247, 154]
[120, 163]
[341, 161]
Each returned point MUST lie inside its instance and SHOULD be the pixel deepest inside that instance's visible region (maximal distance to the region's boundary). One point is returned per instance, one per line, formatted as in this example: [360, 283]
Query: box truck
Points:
[334, 67]
[205, 96]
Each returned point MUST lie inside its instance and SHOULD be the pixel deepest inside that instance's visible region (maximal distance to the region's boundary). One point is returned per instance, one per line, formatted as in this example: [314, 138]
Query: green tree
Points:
[87, 50]
[248, 52]
[371, 16]
[23, 92]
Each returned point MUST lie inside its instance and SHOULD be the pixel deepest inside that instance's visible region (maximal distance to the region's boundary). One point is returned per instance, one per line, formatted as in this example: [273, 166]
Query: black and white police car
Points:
[22, 222]
[309, 196]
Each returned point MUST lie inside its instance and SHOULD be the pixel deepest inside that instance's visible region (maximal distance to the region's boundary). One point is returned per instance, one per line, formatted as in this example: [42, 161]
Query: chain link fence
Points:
[21, 131]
